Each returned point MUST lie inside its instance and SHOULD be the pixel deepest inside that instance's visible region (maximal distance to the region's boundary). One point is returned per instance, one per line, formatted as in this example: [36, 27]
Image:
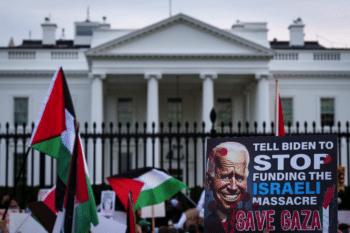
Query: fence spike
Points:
[297, 124]
[212, 116]
[314, 127]
[305, 126]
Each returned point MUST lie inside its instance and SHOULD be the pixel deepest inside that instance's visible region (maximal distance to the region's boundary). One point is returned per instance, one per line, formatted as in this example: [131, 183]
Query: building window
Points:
[174, 110]
[287, 110]
[224, 111]
[19, 160]
[21, 111]
[327, 111]
[84, 30]
[125, 111]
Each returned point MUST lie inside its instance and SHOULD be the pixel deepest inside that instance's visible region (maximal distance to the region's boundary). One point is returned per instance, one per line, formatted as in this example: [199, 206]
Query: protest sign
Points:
[274, 184]
[108, 203]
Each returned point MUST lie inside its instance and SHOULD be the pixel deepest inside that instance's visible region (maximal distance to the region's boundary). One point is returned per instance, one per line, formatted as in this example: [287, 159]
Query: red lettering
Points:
[240, 220]
[316, 222]
[285, 220]
[260, 219]
[270, 220]
[304, 226]
[295, 221]
[250, 221]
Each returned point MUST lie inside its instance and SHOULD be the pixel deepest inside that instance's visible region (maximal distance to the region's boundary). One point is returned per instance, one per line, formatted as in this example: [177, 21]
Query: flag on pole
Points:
[54, 130]
[79, 212]
[49, 199]
[158, 186]
[131, 221]
[54, 135]
[279, 122]
[43, 214]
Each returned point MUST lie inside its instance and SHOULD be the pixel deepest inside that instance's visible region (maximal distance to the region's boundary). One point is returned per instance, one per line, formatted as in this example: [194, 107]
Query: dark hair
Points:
[164, 229]
[192, 228]
[343, 227]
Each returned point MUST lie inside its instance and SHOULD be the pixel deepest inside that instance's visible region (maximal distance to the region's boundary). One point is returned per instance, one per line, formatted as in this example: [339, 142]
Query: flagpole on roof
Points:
[16, 183]
[276, 107]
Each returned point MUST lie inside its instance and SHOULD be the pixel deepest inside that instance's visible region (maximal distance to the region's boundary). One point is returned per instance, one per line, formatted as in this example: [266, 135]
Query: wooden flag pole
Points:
[276, 108]
[153, 221]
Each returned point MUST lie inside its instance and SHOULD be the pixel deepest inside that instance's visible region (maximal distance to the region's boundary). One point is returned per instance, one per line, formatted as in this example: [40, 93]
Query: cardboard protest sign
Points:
[275, 184]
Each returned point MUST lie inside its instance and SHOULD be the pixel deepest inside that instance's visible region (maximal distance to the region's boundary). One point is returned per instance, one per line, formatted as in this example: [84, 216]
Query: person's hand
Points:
[5, 199]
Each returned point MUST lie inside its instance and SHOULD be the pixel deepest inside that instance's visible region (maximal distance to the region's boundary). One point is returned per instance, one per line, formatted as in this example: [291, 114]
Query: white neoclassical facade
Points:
[177, 69]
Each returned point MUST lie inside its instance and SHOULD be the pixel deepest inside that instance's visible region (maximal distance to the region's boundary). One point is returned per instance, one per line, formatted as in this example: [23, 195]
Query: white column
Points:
[96, 117]
[262, 101]
[152, 116]
[208, 98]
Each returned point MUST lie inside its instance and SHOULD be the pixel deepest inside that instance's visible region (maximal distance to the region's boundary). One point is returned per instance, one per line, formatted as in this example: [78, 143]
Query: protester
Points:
[164, 229]
[193, 228]
[4, 201]
[145, 225]
[195, 215]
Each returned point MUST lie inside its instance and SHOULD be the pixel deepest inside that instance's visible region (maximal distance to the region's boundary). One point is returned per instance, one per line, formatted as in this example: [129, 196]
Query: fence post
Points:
[213, 119]
[42, 169]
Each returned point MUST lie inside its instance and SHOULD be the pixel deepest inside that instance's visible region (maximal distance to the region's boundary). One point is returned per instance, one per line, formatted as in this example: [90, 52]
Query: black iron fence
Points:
[179, 149]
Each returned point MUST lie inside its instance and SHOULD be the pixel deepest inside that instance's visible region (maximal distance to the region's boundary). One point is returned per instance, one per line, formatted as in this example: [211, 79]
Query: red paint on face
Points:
[223, 151]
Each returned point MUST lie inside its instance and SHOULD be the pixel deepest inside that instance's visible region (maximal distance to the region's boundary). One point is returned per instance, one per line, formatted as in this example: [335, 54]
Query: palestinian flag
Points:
[79, 212]
[158, 186]
[49, 199]
[54, 130]
[54, 135]
[43, 214]
[279, 121]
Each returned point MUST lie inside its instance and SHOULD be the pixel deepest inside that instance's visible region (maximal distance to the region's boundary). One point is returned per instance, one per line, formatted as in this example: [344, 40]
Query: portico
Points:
[157, 74]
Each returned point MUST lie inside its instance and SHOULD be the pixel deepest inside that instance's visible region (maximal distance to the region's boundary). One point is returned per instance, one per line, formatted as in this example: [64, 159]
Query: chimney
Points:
[49, 32]
[296, 32]
[104, 24]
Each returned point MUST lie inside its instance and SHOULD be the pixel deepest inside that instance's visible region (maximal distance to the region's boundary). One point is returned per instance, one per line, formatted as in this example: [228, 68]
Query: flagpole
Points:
[153, 221]
[276, 107]
[70, 198]
[133, 211]
[16, 182]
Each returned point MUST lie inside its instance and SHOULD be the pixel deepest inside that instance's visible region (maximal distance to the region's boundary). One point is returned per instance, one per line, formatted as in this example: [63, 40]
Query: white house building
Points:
[177, 69]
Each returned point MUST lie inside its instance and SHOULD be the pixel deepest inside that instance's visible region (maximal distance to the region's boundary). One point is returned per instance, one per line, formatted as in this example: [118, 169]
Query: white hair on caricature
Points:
[230, 146]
